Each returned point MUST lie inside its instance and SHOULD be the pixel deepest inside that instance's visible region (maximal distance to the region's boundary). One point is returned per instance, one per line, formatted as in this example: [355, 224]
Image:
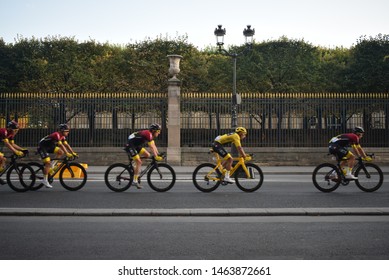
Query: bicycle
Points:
[161, 177]
[20, 176]
[207, 177]
[71, 175]
[327, 177]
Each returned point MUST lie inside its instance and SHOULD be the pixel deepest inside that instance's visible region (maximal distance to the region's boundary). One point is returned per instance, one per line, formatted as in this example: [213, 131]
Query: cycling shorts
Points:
[340, 152]
[220, 150]
[45, 150]
[133, 150]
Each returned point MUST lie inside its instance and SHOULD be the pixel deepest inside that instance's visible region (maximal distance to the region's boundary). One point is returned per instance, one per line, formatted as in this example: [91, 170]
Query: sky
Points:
[326, 23]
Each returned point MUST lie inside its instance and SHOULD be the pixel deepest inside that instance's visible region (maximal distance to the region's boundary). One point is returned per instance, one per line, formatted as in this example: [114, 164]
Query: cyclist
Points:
[54, 143]
[218, 146]
[136, 150]
[339, 145]
[7, 136]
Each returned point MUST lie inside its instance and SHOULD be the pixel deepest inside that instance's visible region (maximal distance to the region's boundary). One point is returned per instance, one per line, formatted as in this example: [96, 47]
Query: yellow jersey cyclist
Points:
[136, 150]
[339, 146]
[7, 136]
[54, 143]
[234, 138]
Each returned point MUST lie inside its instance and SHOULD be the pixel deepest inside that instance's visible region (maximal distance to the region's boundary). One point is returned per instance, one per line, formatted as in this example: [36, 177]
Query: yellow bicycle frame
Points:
[219, 161]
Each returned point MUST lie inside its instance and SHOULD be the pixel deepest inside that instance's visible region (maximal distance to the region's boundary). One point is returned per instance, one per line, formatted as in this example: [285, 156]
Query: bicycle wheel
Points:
[206, 178]
[326, 177]
[249, 184]
[38, 170]
[20, 177]
[73, 176]
[119, 177]
[161, 178]
[370, 177]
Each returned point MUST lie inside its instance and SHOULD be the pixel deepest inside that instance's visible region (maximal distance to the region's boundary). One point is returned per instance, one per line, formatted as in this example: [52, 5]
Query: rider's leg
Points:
[2, 162]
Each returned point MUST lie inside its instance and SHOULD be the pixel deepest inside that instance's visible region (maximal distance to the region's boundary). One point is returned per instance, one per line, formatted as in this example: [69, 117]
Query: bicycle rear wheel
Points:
[119, 177]
[20, 177]
[73, 176]
[206, 178]
[370, 177]
[326, 177]
[161, 178]
[38, 170]
[249, 184]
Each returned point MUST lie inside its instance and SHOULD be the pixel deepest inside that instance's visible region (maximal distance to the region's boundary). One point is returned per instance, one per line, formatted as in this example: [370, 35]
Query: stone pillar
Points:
[174, 112]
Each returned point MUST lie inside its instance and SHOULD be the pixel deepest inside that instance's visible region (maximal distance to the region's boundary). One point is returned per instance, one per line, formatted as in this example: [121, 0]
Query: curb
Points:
[197, 212]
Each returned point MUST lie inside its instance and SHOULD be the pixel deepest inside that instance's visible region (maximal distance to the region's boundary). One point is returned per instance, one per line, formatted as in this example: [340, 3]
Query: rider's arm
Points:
[241, 151]
[359, 151]
[61, 145]
[153, 147]
[10, 145]
[17, 147]
[66, 144]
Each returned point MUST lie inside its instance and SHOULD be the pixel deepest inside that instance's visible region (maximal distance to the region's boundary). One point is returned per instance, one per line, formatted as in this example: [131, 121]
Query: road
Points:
[189, 237]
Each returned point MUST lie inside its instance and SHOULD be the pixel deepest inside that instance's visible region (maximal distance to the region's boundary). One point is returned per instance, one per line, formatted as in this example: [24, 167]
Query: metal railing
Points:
[272, 119]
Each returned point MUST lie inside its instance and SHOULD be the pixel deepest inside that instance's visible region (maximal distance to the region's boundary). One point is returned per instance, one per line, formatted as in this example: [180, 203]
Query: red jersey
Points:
[4, 134]
[53, 138]
[139, 138]
[345, 140]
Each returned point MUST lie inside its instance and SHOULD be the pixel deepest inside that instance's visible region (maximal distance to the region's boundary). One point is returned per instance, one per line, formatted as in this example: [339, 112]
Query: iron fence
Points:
[272, 119]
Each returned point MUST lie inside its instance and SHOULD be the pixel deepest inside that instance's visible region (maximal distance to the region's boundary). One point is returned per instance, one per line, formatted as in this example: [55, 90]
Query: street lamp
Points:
[249, 36]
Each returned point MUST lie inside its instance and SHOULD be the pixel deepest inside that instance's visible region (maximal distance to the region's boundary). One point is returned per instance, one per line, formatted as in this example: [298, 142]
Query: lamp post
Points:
[249, 36]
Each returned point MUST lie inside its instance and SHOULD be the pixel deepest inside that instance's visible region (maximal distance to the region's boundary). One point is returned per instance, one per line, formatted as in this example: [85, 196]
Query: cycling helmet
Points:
[63, 127]
[12, 125]
[154, 126]
[241, 129]
[358, 129]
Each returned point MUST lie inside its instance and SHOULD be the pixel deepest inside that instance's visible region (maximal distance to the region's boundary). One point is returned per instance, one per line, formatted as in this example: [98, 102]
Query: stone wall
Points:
[193, 156]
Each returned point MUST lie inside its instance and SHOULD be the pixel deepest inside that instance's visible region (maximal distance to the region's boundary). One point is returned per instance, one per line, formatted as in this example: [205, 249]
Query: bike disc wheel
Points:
[73, 176]
[118, 177]
[370, 177]
[38, 171]
[326, 177]
[161, 178]
[20, 177]
[206, 178]
[249, 184]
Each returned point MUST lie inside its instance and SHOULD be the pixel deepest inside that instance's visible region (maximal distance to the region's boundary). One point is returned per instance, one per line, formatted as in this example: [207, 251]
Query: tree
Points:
[368, 70]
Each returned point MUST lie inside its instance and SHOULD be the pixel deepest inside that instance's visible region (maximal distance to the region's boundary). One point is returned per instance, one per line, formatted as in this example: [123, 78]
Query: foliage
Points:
[62, 64]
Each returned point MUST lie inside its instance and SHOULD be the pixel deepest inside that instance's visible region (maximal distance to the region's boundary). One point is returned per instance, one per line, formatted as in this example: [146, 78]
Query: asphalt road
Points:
[200, 238]
[277, 191]
[188, 237]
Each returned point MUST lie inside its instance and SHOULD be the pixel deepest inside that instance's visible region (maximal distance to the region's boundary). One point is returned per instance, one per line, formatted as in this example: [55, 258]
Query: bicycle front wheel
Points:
[161, 178]
[251, 184]
[119, 177]
[206, 178]
[370, 177]
[73, 176]
[326, 177]
[20, 177]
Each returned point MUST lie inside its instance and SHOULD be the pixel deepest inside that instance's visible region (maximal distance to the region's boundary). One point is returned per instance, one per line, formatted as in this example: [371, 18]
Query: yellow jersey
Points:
[229, 138]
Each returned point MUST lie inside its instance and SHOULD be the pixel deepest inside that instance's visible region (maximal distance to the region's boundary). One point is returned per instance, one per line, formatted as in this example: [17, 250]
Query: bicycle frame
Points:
[10, 164]
[240, 163]
[148, 167]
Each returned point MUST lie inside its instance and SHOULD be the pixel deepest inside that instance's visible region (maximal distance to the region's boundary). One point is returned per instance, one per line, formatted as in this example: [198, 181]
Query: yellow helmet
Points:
[241, 129]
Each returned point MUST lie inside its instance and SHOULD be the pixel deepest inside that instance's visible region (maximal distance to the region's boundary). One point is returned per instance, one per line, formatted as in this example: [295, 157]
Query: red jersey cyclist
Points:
[7, 136]
[54, 143]
[136, 150]
[218, 146]
[339, 145]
